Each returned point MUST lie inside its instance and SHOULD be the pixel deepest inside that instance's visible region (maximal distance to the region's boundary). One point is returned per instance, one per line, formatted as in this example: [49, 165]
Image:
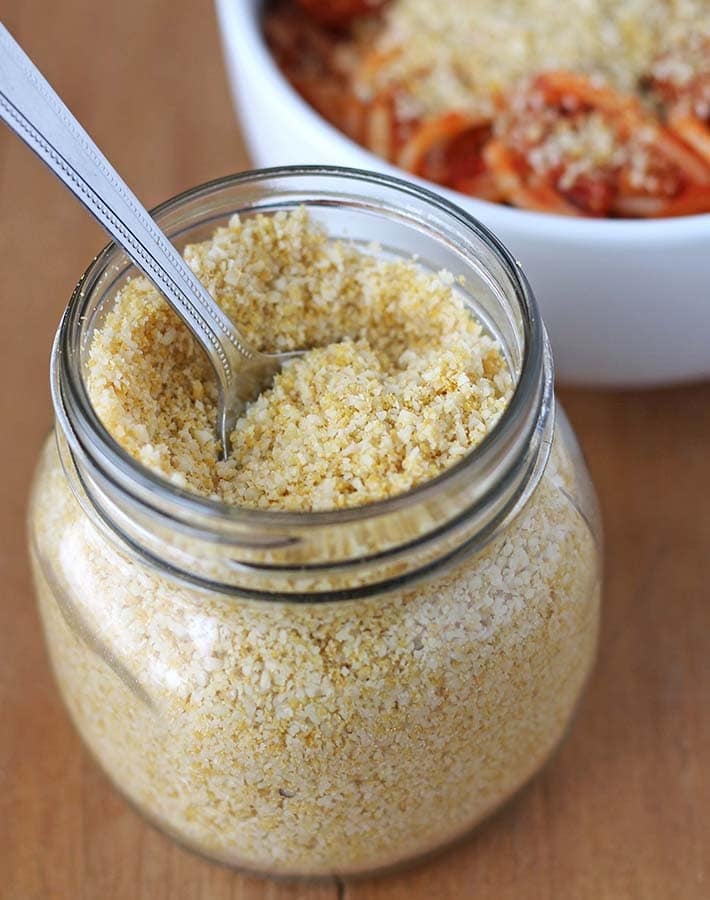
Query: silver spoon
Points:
[31, 108]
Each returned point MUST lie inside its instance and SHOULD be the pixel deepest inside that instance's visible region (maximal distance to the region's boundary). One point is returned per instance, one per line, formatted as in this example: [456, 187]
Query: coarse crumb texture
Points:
[453, 55]
[400, 384]
[338, 737]
[307, 738]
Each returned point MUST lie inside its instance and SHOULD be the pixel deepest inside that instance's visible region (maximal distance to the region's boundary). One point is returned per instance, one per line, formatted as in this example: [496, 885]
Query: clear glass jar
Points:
[330, 692]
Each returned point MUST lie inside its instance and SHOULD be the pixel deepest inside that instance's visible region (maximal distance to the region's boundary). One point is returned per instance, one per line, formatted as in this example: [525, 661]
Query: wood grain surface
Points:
[623, 811]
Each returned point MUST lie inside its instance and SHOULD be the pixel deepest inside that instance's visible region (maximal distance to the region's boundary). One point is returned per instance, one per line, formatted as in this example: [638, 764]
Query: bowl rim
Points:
[241, 36]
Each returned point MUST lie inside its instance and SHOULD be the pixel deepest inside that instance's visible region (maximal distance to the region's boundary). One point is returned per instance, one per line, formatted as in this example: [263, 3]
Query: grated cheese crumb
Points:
[400, 384]
[303, 738]
[463, 56]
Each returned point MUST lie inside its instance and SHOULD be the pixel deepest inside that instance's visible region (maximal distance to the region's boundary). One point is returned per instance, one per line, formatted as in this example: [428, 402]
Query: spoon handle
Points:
[31, 108]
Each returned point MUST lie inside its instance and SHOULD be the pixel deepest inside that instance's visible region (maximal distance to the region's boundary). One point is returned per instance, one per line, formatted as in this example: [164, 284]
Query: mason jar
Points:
[332, 692]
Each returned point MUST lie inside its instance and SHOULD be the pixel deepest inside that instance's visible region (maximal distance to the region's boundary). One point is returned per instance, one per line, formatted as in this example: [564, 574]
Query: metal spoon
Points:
[31, 108]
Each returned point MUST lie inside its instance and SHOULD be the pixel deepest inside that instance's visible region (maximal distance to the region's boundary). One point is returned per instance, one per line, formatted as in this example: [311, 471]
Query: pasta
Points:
[606, 114]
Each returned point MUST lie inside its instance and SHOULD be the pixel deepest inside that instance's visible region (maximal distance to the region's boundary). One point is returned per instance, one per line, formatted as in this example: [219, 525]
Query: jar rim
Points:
[79, 420]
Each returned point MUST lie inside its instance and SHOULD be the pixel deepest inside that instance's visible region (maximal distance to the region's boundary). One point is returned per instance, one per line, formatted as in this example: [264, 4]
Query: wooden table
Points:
[624, 809]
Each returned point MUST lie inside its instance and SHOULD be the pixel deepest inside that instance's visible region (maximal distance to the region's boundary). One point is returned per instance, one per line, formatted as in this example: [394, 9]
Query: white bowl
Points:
[627, 303]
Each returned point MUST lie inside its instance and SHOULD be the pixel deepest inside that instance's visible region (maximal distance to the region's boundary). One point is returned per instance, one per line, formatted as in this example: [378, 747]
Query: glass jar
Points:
[328, 692]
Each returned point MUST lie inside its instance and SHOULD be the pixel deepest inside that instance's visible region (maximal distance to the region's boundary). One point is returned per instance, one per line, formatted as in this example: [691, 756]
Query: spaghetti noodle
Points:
[598, 109]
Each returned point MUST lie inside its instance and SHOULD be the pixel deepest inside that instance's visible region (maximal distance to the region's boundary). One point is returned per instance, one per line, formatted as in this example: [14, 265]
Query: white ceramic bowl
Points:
[627, 303]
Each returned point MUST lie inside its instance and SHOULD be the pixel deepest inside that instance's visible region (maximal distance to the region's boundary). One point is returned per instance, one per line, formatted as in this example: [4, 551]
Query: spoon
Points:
[31, 108]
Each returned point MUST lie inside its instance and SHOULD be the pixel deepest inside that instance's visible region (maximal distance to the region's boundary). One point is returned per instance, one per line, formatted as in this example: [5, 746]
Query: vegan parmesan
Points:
[399, 382]
[592, 107]
[285, 735]
[465, 56]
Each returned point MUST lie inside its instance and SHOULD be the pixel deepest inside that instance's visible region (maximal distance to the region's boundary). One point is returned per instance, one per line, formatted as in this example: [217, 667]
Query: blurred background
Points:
[621, 811]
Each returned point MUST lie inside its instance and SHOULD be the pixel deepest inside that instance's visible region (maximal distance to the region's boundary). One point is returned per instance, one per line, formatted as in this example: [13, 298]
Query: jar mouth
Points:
[89, 437]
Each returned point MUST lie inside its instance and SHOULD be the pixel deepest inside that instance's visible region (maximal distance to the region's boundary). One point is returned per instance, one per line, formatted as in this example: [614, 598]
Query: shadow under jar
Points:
[314, 693]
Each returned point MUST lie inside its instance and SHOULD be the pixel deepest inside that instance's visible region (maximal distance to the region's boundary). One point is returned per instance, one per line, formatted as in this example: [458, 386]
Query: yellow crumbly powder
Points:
[401, 381]
[341, 736]
[457, 55]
